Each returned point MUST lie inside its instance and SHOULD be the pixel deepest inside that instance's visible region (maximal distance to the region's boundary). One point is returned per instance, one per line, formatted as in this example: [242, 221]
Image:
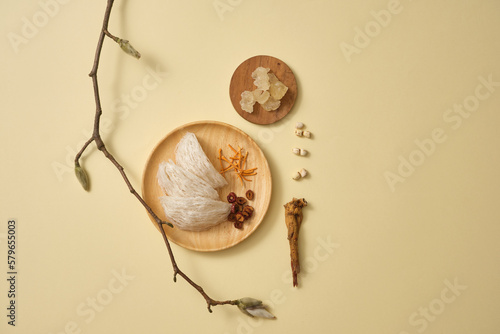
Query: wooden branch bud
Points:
[128, 48]
[254, 308]
[82, 177]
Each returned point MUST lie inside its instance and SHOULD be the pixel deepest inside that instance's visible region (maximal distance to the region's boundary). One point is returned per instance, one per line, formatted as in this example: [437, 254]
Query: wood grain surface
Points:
[212, 136]
[242, 80]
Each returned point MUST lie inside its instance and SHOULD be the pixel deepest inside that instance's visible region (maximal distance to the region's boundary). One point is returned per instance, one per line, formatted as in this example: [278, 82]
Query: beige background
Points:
[416, 254]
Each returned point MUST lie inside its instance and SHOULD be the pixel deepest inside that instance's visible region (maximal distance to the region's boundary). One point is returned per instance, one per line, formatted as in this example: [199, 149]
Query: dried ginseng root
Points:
[293, 220]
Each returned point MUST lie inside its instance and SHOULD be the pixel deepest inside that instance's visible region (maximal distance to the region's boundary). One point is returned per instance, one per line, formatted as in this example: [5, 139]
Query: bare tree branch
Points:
[96, 138]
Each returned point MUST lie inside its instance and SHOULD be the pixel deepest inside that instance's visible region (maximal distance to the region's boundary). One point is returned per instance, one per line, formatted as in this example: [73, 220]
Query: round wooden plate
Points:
[212, 136]
[242, 80]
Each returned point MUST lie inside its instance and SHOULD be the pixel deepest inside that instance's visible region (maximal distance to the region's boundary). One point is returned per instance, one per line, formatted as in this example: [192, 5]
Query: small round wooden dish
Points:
[212, 136]
[242, 80]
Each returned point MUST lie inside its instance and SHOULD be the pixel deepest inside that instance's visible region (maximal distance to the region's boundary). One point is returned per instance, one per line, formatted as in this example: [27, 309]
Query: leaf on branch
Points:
[128, 48]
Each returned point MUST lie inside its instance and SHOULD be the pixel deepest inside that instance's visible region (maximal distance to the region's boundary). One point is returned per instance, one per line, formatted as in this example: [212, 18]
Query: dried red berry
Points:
[238, 225]
[231, 217]
[240, 218]
[231, 197]
[250, 194]
[247, 211]
[241, 200]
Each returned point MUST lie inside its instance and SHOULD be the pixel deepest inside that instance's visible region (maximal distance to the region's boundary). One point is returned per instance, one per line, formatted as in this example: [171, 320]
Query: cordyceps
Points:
[293, 220]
